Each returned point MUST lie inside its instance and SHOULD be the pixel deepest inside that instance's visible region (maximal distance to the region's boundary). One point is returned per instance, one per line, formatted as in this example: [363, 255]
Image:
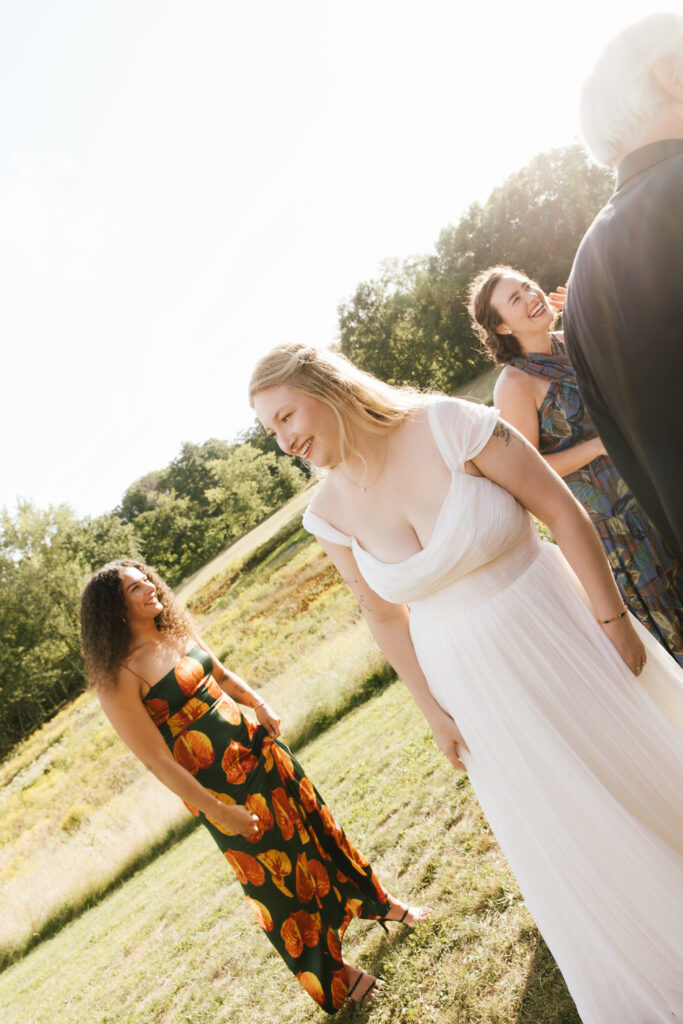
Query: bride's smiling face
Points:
[301, 424]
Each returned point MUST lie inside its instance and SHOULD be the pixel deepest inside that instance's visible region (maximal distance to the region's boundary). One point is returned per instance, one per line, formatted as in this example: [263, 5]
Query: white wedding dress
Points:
[577, 764]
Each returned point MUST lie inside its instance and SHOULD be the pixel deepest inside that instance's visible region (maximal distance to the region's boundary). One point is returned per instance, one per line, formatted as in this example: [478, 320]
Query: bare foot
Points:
[362, 986]
[406, 914]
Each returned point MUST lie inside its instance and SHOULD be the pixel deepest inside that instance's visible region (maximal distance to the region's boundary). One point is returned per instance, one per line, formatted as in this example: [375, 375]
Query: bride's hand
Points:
[627, 642]
[448, 738]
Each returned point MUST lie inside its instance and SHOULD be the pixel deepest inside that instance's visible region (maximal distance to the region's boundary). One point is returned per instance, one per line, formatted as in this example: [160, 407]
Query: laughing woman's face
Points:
[522, 306]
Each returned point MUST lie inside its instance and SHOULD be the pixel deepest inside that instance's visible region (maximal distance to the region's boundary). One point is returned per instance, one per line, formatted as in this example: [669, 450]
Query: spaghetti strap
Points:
[141, 678]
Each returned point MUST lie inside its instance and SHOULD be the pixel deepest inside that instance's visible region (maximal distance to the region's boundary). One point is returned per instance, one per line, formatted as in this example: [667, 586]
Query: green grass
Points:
[178, 944]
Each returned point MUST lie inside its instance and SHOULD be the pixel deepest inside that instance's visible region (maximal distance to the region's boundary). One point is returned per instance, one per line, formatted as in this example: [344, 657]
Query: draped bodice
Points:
[479, 527]
[562, 417]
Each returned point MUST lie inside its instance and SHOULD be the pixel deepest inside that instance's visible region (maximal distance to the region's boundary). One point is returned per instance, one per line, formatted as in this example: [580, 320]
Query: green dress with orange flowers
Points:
[303, 879]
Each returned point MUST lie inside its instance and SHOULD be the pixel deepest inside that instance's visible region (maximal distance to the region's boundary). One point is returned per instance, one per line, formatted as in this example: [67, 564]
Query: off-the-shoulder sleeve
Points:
[461, 428]
[320, 528]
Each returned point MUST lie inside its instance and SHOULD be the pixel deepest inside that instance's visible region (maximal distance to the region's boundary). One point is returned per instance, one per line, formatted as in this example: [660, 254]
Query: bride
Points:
[519, 653]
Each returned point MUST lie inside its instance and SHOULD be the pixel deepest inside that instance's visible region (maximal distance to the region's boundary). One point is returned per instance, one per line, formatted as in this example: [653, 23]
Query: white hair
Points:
[620, 95]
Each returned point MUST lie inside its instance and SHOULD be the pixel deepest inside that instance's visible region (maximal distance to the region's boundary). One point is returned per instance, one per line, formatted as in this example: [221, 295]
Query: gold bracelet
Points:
[605, 622]
[257, 706]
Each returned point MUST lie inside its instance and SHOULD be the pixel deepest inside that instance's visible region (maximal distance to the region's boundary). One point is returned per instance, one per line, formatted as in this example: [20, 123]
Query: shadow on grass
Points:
[370, 687]
[546, 999]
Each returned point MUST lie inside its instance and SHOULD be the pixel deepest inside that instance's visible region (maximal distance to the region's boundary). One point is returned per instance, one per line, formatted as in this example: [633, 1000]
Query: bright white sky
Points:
[186, 183]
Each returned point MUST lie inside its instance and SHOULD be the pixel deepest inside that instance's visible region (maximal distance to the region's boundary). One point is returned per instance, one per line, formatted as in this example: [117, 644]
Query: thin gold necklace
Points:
[365, 487]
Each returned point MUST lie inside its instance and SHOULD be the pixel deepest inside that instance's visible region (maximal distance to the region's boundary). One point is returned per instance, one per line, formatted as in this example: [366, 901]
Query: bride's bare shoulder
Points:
[416, 424]
[326, 498]
[419, 416]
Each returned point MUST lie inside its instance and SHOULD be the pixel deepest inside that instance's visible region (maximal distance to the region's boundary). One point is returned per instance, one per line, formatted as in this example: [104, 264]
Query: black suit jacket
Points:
[623, 323]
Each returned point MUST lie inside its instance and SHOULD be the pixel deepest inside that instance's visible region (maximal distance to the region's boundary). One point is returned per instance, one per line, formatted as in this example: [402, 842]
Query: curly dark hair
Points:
[105, 635]
[485, 317]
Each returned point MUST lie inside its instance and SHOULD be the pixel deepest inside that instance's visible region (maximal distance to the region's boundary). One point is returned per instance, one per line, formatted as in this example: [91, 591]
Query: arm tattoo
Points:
[350, 581]
[501, 430]
[238, 691]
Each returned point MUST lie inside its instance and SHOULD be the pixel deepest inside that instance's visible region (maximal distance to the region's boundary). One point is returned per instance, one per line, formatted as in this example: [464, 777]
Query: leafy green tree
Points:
[142, 495]
[189, 476]
[251, 485]
[257, 437]
[45, 558]
[192, 473]
[172, 537]
[533, 221]
[403, 328]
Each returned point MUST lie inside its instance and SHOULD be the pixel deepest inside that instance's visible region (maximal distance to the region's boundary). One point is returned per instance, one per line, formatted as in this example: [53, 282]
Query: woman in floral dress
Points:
[537, 393]
[175, 706]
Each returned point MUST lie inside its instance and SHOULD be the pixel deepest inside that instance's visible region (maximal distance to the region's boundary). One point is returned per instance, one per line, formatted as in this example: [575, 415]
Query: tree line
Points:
[407, 325]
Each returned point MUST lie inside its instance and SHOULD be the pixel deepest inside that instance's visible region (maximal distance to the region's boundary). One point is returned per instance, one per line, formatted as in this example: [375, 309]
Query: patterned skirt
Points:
[649, 577]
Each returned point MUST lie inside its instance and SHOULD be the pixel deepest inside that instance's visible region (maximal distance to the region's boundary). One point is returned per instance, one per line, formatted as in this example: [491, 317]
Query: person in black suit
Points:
[623, 317]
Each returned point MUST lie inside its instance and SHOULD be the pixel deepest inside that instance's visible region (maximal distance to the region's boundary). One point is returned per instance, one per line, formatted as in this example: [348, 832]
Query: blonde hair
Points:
[620, 95]
[355, 397]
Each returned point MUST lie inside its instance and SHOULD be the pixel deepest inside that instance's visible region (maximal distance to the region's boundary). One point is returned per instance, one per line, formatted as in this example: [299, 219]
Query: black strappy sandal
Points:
[383, 921]
[368, 990]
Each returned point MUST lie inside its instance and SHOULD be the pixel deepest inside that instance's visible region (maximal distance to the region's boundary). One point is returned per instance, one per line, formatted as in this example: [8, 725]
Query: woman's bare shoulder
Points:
[141, 657]
[512, 383]
[325, 498]
[152, 660]
[417, 421]
[120, 689]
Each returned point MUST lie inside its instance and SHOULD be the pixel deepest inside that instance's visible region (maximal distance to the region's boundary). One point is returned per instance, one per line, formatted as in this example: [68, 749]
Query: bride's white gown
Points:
[577, 764]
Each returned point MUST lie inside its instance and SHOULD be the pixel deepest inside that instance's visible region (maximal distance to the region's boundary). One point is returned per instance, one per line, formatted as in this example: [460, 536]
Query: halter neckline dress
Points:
[577, 764]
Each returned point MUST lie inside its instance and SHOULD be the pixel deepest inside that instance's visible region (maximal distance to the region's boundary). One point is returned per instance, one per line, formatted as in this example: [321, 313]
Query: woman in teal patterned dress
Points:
[537, 392]
[175, 706]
